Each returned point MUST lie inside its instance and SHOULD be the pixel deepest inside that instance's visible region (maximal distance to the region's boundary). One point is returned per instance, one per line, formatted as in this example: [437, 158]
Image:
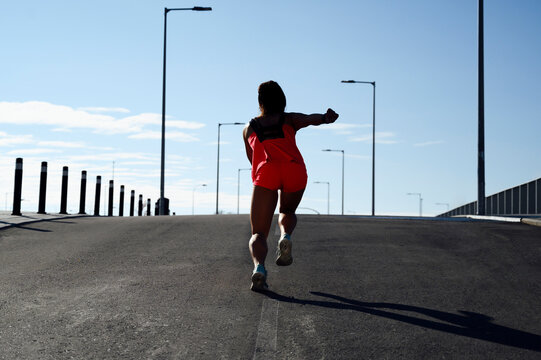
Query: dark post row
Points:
[17, 194]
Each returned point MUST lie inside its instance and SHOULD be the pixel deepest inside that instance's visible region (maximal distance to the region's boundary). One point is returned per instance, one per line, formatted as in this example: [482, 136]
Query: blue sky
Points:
[81, 87]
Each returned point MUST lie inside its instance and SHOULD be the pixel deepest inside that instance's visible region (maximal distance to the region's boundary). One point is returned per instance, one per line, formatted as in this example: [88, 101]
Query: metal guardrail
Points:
[520, 200]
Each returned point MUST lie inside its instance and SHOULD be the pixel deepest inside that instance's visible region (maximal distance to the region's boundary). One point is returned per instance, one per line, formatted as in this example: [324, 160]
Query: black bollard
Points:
[42, 188]
[18, 187]
[132, 202]
[110, 207]
[121, 205]
[140, 210]
[98, 192]
[64, 197]
[148, 207]
[82, 201]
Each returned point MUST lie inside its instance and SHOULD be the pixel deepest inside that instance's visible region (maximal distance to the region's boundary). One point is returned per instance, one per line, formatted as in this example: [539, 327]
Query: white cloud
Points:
[36, 151]
[61, 130]
[171, 135]
[65, 118]
[103, 109]
[62, 144]
[381, 138]
[338, 126]
[181, 124]
[10, 140]
[428, 143]
[109, 157]
[43, 113]
[341, 128]
[140, 163]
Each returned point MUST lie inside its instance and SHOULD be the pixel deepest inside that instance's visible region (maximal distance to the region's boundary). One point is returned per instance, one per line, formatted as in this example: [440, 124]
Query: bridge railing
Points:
[521, 200]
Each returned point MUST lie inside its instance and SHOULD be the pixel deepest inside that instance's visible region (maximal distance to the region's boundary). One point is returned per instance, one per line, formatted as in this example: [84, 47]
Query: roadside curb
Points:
[494, 218]
[530, 221]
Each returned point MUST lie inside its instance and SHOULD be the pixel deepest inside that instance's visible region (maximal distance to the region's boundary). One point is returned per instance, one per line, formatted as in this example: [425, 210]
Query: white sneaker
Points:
[284, 257]
[259, 279]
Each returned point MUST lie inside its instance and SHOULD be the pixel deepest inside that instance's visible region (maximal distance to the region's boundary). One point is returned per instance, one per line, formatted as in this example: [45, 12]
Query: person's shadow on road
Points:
[469, 324]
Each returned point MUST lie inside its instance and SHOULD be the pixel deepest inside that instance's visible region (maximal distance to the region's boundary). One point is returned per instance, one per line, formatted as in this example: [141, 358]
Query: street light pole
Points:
[481, 118]
[218, 161]
[238, 188]
[193, 197]
[373, 83]
[343, 156]
[162, 170]
[420, 203]
[328, 194]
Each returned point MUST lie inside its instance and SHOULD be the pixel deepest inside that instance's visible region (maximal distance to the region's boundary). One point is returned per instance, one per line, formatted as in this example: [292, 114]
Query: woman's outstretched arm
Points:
[300, 120]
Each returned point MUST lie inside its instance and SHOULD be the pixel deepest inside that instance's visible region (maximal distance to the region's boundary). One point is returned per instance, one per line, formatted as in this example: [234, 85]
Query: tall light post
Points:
[373, 83]
[162, 171]
[420, 203]
[193, 197]
[218, 161]
[481, 117]
[328, 194]
[238, 188]
[343, 156]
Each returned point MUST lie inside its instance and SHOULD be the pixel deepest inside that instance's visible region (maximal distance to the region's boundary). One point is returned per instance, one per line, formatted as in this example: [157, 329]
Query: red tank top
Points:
[274, 143]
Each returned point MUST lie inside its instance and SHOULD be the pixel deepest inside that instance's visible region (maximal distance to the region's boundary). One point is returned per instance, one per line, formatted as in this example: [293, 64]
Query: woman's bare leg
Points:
[262, 209]
[288, 205]
[287, 222]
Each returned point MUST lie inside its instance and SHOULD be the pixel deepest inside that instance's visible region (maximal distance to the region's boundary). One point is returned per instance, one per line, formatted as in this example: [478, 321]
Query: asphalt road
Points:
[359, 288]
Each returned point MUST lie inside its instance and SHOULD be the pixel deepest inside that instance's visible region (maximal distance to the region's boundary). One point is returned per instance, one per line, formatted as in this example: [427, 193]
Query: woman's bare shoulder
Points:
[294, 119]
[247, 131]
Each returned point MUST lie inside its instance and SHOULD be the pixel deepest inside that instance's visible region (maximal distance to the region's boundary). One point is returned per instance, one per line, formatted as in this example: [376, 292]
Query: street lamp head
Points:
[333, 150]
[201, 8]
[348, 81]
[235, 123]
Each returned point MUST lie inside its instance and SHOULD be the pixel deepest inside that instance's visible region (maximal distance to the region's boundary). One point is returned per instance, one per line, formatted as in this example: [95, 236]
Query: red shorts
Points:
[286, 176]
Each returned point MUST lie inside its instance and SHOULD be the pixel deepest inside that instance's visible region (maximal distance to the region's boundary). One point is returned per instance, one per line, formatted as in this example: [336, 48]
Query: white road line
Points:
[267, 331]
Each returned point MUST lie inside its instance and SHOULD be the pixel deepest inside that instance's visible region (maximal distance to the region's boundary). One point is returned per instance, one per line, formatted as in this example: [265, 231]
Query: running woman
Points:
[278, 174]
